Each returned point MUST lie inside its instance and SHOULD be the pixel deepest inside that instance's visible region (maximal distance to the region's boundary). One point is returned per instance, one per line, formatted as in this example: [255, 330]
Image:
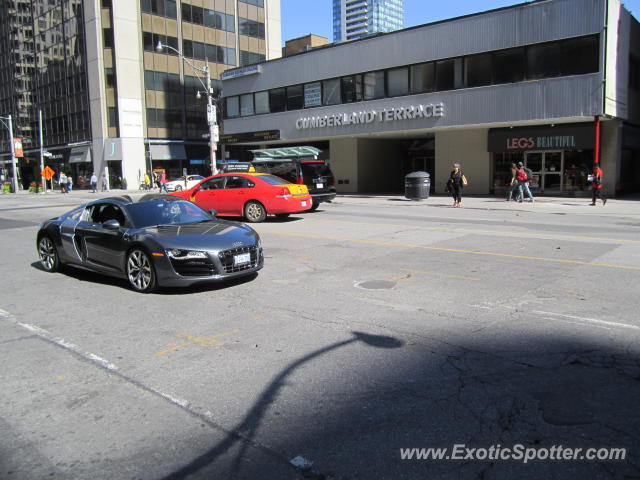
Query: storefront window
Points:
[398, 82]
[577, 166]
[502, 169]
[331, 92]
[423, 78]
[262, 102]
[277, 100]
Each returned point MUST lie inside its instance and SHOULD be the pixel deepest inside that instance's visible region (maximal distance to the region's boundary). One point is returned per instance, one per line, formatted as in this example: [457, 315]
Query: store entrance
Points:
[547, 168]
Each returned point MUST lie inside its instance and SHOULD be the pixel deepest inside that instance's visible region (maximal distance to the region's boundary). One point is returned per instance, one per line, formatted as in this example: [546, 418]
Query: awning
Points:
[167, 151]
[80, 155]
[286, 152]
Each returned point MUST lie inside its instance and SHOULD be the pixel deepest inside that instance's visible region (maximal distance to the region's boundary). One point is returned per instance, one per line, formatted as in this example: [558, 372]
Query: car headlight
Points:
[177, 254]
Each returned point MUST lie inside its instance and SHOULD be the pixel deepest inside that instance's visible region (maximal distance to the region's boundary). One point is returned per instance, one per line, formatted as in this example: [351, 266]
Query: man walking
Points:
[523, 176]
[94, 183]
[513, 185]
[596, 185]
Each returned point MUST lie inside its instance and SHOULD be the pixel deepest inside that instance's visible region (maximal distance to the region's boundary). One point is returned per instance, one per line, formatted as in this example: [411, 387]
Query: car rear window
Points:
[316, 169]
[273, 180]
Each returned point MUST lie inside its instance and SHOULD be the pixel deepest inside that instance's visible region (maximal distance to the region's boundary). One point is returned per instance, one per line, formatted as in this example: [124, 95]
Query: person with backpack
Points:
[513, 184]
[523, 176]
[596, 185]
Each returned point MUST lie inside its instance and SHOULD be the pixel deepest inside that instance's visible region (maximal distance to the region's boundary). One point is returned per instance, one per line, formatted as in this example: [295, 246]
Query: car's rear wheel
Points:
[178, 188]
[48, 254]
[140, 271]
[314, 205]
[282, 216]
[254, 212]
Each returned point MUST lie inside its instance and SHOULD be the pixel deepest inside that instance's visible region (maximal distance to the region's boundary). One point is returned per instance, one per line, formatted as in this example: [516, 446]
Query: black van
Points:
[315, 174]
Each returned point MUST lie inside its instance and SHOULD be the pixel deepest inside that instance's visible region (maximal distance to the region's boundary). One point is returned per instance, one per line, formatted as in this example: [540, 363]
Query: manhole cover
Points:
[376, 284]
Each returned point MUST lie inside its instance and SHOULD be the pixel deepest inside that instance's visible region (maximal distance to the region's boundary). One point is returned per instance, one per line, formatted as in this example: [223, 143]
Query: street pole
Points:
[211, 120]
[13, 158]
[42, 179]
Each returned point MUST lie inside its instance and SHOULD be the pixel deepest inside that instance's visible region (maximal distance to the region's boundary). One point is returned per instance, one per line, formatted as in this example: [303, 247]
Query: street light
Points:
[9, 126]
[211, 107]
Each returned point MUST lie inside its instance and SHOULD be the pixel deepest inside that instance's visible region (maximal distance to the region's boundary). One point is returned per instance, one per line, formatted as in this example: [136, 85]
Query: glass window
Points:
[186, 13]
[444, 75]
[277, 100]
[508, 65]
[187, 48]
[171, 11]
[478, 70]
[312, 95]
[423, 78]
[373, 85]
[398, 82]
[197, 15]
[246, 105]
[110, 77]
[580, 55]
[198, 50]
[262, 102]
[543, 61]
[331, 92]
[352, 89]
[233, 107]
[295, 98]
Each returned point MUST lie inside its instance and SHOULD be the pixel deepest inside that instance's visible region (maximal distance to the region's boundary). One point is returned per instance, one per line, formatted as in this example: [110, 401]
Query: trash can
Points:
[417, 185]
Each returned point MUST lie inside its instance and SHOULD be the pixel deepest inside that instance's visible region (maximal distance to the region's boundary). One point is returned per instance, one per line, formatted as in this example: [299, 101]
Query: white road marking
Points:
[589, 320]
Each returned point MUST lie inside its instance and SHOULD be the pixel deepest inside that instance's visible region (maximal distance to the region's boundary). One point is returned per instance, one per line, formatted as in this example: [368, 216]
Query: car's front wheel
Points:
[48, 254]
[254, 212]
[140, 271]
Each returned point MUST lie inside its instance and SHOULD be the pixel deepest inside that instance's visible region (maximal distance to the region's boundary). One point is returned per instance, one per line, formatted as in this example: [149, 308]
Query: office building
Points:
[354, 19]
[110, 101]
[554, 84]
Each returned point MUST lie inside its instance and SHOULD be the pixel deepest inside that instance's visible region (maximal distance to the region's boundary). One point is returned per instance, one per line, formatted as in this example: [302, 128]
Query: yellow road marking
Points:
[453, 250]
[202, 341]
[478, 230]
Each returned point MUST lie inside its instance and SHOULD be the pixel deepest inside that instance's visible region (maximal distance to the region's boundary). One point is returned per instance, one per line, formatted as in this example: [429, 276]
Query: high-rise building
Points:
[358, 18]
[110, 101]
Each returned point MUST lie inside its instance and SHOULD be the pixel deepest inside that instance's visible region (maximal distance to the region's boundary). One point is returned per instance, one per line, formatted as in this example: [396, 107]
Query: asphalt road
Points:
[377, 325]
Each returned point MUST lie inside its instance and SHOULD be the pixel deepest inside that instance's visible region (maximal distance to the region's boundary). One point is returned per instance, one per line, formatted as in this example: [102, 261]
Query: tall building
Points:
[358, 18]
[111, 103]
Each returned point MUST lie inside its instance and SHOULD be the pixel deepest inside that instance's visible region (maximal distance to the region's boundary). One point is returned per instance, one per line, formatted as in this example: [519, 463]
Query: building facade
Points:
[554, 84]
[110, 102]
[354, 19]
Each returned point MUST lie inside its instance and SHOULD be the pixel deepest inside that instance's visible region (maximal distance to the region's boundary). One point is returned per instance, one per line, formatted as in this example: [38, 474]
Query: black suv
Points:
[315, 174]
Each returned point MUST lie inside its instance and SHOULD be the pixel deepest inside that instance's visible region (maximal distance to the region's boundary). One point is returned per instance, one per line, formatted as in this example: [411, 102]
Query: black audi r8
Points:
[156, 241]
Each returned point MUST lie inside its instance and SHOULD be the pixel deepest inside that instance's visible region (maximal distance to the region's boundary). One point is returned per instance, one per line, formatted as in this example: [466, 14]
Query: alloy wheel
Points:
[140, 271]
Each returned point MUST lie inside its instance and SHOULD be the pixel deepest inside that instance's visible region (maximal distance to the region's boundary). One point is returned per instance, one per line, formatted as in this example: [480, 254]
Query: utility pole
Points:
[42, 179]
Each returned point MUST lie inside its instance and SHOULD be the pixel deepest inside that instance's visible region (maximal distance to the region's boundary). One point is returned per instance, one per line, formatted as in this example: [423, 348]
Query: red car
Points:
[249, 195]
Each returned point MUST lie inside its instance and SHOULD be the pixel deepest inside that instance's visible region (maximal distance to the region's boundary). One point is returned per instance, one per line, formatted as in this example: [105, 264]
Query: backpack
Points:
[522, 175]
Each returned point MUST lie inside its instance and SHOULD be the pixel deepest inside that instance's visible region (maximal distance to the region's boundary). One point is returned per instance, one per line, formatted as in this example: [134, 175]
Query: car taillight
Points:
[283, 193]
[300, 180]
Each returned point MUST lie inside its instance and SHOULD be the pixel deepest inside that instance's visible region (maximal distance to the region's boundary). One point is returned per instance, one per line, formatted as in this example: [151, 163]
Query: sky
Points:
[301, 17]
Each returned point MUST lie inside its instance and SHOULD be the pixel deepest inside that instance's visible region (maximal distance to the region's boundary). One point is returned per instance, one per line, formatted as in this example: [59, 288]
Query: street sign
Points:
[211, 114]
[48, 173]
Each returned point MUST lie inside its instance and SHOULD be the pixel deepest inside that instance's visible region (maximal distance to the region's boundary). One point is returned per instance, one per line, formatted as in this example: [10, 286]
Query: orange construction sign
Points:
[48, 173]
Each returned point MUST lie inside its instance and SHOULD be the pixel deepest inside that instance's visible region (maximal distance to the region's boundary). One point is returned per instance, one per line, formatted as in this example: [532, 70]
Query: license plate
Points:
[242, 258]
[319, 185]
[304, 203]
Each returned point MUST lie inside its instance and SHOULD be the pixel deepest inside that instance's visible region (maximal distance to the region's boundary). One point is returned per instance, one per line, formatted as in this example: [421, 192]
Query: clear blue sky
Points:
[301, 17]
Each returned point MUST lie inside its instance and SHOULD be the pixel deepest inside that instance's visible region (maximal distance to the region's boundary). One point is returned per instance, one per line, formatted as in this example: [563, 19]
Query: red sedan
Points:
[249, 195]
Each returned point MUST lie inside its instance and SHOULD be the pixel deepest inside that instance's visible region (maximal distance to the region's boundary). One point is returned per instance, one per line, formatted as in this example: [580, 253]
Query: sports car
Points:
[156, 241]
[249, 195]
[183, 183]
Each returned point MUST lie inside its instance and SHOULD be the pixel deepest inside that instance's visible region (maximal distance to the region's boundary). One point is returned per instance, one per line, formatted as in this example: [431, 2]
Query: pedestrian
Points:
[163, 182]
[156, 180]
[69, 183]
[147, 181]
[457, 181]
[94, 183]
[596, 185]
[513, 184]
[104, 184]
[62, 181]
[523, 176]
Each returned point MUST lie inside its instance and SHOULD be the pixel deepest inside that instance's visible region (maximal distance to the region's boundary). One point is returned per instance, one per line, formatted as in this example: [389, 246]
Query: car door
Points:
[100, 247]
[67, 235]
[237, 190]
[207, 195]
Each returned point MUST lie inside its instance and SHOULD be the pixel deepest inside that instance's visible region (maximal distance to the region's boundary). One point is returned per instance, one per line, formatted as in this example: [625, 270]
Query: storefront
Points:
[560, 157]
[168, 157]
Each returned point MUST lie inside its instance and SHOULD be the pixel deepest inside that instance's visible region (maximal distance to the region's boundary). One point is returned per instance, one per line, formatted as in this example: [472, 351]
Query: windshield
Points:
[163, 212]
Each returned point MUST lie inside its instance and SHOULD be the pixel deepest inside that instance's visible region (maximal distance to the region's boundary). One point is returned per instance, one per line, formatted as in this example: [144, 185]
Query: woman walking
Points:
[457, 181]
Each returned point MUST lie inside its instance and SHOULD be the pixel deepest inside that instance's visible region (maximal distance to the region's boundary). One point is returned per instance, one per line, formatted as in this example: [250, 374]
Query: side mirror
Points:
[213, 212]
[112, 224]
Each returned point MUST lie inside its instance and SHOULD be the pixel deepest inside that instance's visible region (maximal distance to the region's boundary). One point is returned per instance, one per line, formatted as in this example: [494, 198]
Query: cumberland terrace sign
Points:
[370, 116]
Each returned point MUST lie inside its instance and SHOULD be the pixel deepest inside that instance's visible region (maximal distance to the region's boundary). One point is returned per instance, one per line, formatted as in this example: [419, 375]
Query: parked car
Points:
[156, 241]
[183, 183]
[249, 195]
[315, 174]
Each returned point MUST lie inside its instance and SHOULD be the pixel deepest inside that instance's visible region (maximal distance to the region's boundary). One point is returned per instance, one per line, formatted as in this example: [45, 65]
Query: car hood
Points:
[213, 235]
